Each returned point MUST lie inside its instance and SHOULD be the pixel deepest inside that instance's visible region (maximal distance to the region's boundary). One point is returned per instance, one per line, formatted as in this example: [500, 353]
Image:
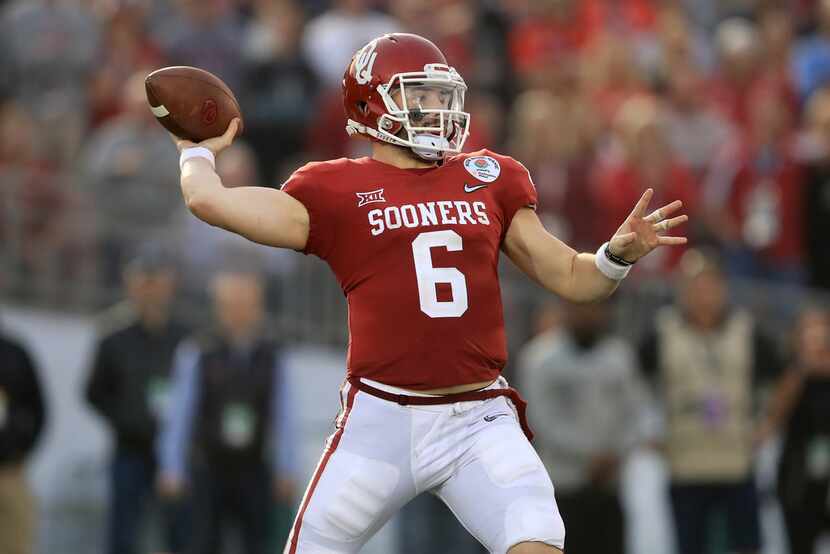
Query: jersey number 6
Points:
[428, 276]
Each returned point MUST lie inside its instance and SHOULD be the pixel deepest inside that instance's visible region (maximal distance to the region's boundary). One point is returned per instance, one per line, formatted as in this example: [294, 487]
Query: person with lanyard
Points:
[228, 405]
[708, 361]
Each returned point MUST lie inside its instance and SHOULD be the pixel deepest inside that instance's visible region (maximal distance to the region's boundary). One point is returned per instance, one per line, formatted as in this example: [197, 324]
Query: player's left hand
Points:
[640, 234]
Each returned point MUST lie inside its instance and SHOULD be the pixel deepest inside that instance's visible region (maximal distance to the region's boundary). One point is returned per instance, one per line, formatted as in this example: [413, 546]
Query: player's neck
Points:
[398, 157]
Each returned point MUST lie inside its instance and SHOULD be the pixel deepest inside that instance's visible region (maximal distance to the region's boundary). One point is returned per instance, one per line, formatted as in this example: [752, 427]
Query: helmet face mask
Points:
[428, 109]
[420, 109]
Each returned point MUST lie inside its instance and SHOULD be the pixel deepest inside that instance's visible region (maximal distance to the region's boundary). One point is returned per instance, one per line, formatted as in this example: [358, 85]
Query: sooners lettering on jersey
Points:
[417, 258]
[428, 214]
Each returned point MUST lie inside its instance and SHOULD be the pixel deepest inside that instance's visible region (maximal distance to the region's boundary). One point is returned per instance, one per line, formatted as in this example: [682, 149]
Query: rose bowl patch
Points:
[483, 168]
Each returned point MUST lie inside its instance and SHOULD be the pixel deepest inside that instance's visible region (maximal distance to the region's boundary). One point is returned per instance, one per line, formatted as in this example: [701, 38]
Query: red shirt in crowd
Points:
[765, 206]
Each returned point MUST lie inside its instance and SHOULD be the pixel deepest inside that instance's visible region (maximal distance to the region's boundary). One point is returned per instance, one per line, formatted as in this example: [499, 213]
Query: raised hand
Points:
[640, 234]
[215, 144]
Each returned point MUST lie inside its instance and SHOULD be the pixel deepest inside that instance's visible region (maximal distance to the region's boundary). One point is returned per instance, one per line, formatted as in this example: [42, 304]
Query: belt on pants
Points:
[485, 394]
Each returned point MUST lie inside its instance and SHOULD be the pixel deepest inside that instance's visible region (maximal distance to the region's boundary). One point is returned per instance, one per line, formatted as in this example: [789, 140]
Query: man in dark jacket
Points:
[128, 388]
[22, 416]
[816, 216]
[227, 437]
[801, 408]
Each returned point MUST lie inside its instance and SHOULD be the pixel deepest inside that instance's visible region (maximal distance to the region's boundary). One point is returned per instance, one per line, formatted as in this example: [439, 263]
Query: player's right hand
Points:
[215, 144]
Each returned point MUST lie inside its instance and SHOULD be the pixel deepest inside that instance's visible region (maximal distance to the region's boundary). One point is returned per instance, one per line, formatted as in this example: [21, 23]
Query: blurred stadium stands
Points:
[723, 103]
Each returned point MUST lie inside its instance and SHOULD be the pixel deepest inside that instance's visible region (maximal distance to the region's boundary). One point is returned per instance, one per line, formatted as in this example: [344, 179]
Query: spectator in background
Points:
[775, 31]
[696, 131]
[37, 207]
[559, 162]
[279, 92]
[60, 60]
[707, 359]
[816, 218]
[550, 31]
[450, 24]
[801, 407]
[811, 61]
[128, 387]
[703, 13]
[206, 34]
[126, 47]
[22, 417]
[612, 77]
[738, 52]
[757, 191]
[328, 43]
[229, 406]
[587, 405]
[544, 332]
[330, 39]
[644, 160]
[130, 178]
[680, 42]
[321, 142]
[50, 73]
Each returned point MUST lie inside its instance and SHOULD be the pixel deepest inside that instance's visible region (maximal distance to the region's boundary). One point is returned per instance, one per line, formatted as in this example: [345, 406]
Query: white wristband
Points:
[197, 152]
[608, 268]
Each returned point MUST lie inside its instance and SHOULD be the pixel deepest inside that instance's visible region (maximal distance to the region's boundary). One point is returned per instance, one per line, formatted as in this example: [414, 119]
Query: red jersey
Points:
[416, 253]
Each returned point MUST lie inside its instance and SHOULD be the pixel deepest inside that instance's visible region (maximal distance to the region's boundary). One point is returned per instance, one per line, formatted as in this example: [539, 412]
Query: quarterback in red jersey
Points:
[413, 234]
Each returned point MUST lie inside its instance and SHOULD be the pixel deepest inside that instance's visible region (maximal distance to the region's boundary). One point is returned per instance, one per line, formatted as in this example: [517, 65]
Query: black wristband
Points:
[616, 259]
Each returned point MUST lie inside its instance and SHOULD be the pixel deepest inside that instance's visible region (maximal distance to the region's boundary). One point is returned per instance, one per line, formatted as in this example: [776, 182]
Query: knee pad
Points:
[351, 498]
[534, 519]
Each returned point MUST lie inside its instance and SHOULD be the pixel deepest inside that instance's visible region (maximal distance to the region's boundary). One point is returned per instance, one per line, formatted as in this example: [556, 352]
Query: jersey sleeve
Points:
[519, 192]
[306, 185]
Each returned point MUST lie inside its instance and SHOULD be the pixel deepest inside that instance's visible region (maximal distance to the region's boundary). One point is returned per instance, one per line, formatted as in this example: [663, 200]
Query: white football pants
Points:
[472, 455]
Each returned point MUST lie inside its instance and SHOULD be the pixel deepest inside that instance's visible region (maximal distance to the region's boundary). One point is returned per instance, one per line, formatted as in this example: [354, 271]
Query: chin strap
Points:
[441, 143]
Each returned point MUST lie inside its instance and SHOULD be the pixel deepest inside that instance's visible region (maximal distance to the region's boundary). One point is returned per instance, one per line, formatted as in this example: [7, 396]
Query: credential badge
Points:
[370, 197]
[484, 168]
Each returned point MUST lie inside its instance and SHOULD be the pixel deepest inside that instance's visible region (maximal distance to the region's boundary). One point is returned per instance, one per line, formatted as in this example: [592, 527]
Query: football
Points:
[191, 103]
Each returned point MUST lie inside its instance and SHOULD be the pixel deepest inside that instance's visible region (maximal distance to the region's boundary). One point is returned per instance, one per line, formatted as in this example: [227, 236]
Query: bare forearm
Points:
[201, 188]
[587, 283]
[583, 282]
[553, 264]
[260, 214]
[264, 215]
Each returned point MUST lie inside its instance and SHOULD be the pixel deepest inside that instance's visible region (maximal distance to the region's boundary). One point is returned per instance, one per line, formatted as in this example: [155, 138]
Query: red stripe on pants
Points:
[298, 523]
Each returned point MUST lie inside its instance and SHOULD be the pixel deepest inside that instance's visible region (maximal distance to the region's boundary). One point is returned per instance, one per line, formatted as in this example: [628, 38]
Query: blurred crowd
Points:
[720, 103]
[724, 104]
[205, 435]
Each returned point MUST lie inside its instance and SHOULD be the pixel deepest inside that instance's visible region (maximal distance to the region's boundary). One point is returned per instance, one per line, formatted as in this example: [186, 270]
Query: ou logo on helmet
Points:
[364, 62]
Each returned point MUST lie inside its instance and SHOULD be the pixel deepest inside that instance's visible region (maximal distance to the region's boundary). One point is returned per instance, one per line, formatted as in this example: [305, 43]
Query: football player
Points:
[413, 234]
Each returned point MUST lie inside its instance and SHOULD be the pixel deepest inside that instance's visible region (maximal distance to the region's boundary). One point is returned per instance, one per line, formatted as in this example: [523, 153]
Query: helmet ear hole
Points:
[363, 107]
